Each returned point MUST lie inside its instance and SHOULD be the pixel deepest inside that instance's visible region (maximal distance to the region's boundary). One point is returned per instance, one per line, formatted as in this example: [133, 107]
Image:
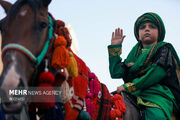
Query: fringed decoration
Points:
[93, 84]
[91, 75]
[71, 114]
[73, 107]
[97, 101]
[60, 57]
[65, 92]
[46, 80]
[60, 77]
[63, 31]
[81, 81]
[119, 107]
[92, 94]
[89, 104]
[115, 114]
[105, 105]
[72, 68]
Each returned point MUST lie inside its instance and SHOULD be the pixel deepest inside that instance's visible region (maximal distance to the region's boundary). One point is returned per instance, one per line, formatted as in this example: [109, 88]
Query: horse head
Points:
[24, 34]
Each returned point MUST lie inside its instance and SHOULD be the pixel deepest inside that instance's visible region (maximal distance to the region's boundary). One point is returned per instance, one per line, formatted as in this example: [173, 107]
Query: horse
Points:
[26, 35]
[26, 32]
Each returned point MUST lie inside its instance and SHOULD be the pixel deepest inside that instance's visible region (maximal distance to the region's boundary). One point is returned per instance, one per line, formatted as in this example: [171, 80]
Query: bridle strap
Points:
[37, 60]
[21, 49]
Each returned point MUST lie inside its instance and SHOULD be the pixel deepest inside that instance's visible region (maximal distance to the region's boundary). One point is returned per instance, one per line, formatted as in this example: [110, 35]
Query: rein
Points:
[37, 60]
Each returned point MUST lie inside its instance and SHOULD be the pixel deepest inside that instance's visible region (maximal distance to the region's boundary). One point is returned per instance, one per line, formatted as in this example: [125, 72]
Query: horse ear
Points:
[46, 2]
[6, 5]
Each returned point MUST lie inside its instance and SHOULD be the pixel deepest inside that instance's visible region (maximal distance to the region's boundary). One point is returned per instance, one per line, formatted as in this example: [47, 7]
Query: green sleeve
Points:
[153, 76]
[115, 64]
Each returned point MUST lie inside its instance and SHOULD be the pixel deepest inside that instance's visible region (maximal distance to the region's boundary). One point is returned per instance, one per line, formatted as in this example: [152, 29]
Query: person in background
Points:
[151, 71]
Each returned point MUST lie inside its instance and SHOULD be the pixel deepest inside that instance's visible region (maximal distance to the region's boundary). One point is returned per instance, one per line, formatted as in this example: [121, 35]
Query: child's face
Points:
[148, 34]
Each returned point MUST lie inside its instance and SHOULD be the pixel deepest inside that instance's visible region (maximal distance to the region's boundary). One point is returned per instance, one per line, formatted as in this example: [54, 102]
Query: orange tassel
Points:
[60, 57]
[72, 68]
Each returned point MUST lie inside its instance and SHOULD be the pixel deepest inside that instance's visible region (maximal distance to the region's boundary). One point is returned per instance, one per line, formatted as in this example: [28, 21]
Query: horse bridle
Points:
[37, 60]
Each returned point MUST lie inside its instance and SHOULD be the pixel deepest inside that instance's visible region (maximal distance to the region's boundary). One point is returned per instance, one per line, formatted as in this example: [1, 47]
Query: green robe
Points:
[146, 87]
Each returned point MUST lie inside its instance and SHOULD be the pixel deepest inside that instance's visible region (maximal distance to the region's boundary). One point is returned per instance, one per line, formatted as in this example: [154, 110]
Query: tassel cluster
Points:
[63, 31]
[93, 84]
[80, 82]
[46, 79]
[89, 104]
[60, 56]
[92, 93]
[119, 107]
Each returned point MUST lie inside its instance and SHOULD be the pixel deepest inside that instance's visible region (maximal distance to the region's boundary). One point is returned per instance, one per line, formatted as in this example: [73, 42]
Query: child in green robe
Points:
[151, 70]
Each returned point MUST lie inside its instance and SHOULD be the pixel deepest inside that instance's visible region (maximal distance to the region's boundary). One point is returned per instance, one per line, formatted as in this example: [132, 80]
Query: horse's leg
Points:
[131, 111]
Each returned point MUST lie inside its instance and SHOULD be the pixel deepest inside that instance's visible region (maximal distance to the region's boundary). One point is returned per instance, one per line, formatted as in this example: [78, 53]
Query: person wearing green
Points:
[151, 71]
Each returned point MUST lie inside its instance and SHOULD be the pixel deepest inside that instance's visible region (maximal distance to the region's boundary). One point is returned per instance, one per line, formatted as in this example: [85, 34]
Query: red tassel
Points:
[60, 77]
[93, 84]
[46, 79]
[119, 107]
[90, 106]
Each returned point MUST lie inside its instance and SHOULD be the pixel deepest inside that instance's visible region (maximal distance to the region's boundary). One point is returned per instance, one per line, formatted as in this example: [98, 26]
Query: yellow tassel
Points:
[72, 68]
[60, 56]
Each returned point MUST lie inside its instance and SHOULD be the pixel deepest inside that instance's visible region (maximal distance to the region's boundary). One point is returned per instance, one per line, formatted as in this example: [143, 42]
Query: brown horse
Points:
[24, 35]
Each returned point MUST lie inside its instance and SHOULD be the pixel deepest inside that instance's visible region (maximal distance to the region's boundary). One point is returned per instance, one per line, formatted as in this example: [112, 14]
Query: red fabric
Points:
[91, 97]
[71, 113]
[106, 106]
[80, 86]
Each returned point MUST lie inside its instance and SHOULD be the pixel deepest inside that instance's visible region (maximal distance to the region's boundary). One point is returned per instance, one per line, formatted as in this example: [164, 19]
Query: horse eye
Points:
[43, 25]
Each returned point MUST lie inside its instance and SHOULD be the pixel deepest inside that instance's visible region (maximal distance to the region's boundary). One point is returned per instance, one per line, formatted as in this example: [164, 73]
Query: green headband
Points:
[150, 18]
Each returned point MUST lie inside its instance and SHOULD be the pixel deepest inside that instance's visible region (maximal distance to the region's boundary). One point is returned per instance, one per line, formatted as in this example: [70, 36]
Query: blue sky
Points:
[93, 21]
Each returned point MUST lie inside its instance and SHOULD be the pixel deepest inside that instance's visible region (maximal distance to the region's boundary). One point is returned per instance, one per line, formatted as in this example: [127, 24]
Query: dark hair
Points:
[34, 4]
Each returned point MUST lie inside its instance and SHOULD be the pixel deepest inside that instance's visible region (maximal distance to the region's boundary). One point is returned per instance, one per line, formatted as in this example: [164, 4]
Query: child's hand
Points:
[120, 89]
[117, 37]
